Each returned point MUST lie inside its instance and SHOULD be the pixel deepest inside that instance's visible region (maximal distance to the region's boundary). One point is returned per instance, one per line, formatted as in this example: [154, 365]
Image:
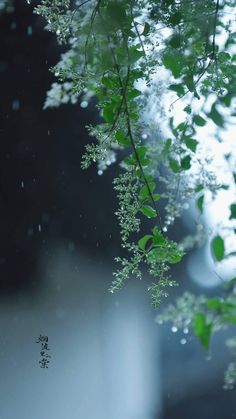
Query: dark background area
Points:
[45, 196]
[44, 193]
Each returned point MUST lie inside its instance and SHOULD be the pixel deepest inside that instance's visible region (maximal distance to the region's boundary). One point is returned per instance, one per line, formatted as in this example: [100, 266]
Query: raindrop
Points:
[186, 205]
[84, 104]
[185, 330]
[174, 329]
[22, 184]
[58, 30]
[15, 105]
[29, 30]
[183, 341]
[144, 136]
[165, 229]
[159, 321]
[100, 172]
[39, 228]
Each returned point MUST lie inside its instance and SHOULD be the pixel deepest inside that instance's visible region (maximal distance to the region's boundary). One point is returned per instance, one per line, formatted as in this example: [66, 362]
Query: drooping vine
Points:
[162, 72]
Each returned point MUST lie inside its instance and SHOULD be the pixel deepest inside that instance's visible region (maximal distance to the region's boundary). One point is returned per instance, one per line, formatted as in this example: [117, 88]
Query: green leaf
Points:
[157, 254]
[156, 196]
[174, 165]
[108, 82]
[148, 211]
[175, 256]
[134, 54]
[158, 238]
[198, 120]
[141, 151]
[218, 248]
[191, 143]
[175, 18]
[144, 192]
[167, 146]
[224, 56]
[143, 241]
[122, 139]
[146, 29]
[202, 329]
[187, 109]
[186, 162]
[232, 211]
[225, 308]
[200, 203]
[220, 305]
[175, 41]
[108, 114]
[174, 62]
[216, 116]
[178, 88]
[190, 82]
[132, 94]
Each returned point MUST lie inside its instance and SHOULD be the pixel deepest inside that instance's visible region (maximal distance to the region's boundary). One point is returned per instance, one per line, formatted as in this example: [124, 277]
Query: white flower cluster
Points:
[59, 94]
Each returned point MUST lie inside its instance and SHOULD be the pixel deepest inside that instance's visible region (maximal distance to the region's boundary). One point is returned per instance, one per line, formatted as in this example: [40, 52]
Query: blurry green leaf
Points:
[218, 248]
[175, 18]
[175, 256]
[216, 116]
[148, 211]
[200, 203]
[144, 191]
[108, 82]
[174, 62]
[158, 238]
[134, 54]
[175, 41]
[122, 139]
[167, 146]
[186, 162]
[198, 120]
[232, 211]
[174, 165]
[143, 241]
[190, 82]
[178, 88]
[202, 329]
[187, 109]
[146, 29]
[191, 143]
[224, 56]
[156, 196]
[220, 304]
[108, 114]
[132, 94]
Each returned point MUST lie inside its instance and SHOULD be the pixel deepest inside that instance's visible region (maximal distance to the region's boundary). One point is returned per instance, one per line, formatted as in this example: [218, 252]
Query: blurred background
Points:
[109, 358]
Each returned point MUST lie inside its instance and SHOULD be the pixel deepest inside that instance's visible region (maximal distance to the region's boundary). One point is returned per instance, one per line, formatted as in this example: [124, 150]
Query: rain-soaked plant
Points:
[162, 73]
